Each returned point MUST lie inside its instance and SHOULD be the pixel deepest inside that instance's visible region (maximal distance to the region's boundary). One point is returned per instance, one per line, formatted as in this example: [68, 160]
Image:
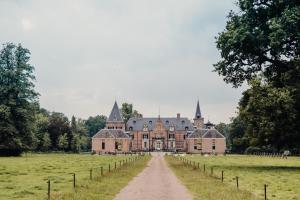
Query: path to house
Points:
[155, 182]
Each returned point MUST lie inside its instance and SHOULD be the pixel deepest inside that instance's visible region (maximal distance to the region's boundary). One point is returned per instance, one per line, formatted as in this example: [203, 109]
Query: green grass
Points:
[26, 177]
[204, 187]
[281, 175]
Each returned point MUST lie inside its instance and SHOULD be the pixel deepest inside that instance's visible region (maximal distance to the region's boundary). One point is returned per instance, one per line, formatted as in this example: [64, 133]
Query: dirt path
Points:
[155, 182]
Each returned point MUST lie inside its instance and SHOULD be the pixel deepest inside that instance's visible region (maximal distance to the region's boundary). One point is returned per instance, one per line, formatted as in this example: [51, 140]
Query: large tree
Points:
[263, 37]
[95, 124]
[260, 46]
[17, 100]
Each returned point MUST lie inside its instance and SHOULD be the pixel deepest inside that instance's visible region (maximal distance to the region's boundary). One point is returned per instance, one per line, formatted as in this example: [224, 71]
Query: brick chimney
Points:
[178, 115]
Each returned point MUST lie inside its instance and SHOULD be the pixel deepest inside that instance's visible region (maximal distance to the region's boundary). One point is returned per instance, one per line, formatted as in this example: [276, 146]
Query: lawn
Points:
[281, 175]
[26, 177]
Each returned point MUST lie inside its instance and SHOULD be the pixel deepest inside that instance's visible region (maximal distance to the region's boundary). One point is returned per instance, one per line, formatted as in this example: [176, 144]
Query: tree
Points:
[58, 125]
[95, 124]
[63, 141]
[269, 114]
[41, 128]
[262, 38]
[17, 100]
[46, 142]
[128, 112]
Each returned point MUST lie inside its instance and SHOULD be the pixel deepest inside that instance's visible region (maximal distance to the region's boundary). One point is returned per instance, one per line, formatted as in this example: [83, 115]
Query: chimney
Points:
[178, 115]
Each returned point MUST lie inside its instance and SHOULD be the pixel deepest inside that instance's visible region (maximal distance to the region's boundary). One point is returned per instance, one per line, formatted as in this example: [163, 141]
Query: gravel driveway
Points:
[155, 182]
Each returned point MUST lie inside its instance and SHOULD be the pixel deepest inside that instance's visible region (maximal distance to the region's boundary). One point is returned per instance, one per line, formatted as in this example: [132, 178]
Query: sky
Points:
[157, 55]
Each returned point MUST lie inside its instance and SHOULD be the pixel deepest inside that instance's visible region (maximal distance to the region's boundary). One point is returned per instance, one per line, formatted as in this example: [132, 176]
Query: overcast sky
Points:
[152, 53]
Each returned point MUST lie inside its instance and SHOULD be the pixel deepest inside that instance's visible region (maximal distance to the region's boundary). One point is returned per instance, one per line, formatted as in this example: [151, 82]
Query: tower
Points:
[198, 120]
[115, 119]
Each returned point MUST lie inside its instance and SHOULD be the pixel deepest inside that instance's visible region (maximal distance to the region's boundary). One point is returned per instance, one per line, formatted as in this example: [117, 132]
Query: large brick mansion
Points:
[158, 134]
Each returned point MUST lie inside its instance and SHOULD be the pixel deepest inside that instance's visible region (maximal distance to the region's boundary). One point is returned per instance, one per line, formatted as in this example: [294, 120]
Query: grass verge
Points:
[107, 186]
[204, 187]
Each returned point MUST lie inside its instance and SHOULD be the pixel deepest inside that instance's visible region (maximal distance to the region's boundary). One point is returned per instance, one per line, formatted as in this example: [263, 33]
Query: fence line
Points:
[103, 173]
[188, 163]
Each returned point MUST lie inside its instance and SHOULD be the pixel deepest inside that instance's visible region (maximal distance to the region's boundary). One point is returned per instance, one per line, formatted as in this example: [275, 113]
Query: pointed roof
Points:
[198, 111]
[115, 115]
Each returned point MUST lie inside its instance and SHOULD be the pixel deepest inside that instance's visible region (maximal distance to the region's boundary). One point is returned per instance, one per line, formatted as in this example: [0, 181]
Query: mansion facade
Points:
[158, 134]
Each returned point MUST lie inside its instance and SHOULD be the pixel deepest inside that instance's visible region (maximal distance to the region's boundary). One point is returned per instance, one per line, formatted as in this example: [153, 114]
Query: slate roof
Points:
[111, 133]
[198, 111]
[115, 114]
[137, 124]
[206, 133]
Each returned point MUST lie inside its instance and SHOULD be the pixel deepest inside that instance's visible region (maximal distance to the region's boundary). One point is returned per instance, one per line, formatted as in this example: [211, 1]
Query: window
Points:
[184, 136]
[171, 136]
[195, 147]
[130, 128]
[103, 145]
[145, 136]
[182, 121]
[145, 144]
[167, 122]
[134, 121]
[213, 144]
[150, 122]
[132, 136]
[186, 128]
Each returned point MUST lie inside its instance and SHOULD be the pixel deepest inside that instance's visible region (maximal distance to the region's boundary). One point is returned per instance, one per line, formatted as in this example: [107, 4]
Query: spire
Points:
[198, 112]
[115, 115]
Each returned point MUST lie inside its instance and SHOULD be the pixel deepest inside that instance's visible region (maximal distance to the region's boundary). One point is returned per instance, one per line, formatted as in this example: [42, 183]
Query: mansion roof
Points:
[181, 124]
[206, 133]
[111, 133]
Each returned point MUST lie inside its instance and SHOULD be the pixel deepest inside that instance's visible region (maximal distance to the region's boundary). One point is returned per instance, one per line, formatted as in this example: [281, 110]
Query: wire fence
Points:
[209, 170]
[97, 173]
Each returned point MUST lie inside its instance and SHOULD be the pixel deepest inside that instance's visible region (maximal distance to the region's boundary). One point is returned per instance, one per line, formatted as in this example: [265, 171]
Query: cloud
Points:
[151, 53]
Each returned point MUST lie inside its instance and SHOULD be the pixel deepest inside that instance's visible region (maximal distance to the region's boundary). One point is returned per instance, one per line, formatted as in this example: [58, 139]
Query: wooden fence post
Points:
[211, 171]
[74, 180]
[91, 174]
[204, 167]
[237, 182]
[222, 176]
[109, 167]
[265, 187]
[48, 189]
[101, 171]
[115, 165]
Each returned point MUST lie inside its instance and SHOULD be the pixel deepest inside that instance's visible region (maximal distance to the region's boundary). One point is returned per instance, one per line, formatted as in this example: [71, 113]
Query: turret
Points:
[115, 119]
[198, 120]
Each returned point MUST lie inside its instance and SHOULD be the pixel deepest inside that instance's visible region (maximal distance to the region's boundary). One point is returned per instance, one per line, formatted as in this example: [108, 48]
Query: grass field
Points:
[281, 175]
[25, 177]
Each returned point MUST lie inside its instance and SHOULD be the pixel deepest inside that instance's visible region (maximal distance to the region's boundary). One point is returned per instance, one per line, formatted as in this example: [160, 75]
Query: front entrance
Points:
[158, 145]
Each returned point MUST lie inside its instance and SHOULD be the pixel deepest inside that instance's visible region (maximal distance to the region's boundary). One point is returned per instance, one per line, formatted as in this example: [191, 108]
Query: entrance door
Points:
[158, 145]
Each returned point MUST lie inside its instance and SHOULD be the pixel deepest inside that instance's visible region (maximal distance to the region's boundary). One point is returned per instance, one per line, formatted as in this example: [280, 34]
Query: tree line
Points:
[260, 48]
[25, 126]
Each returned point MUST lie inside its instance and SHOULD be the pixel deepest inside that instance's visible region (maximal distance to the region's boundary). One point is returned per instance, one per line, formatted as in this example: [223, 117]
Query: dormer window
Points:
[182, 122]
[150, 122]
[130, 128]
[167, 122]
[171, 128]
[134, 122]
[145, 128]
[186, 128]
